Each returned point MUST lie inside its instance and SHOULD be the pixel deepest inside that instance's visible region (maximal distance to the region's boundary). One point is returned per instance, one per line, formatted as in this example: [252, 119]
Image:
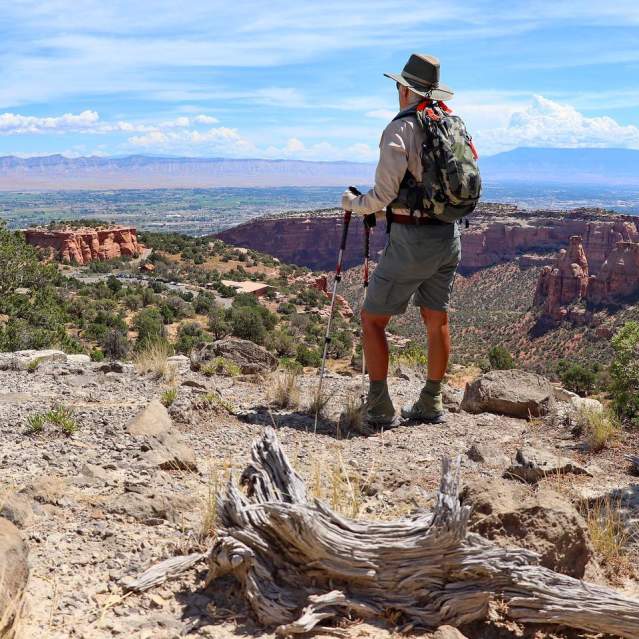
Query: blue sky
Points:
[304, 79]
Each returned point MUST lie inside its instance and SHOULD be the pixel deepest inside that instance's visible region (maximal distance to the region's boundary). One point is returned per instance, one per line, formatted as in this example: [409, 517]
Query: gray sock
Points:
[433, 387]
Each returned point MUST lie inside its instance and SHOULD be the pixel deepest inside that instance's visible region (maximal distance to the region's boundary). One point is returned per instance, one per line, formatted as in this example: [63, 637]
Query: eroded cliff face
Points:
[498, 233]
[81, 246]
[565, 283]
[563, 287]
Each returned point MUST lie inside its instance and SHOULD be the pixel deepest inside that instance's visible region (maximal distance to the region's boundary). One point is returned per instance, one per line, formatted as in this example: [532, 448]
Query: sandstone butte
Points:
[569, 281]
[84, 245]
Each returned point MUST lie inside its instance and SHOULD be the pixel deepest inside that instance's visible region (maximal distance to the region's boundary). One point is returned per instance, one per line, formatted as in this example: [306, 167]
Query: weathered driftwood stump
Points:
[299, 563]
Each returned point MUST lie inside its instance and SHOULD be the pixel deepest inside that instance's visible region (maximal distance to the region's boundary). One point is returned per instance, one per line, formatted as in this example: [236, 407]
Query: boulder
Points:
[512, 392]
[79, 359]
[152, 420]
[14, 569]
[452, 397]
[534, 464]
[543, 521]
[25, 360]
[164, 447]
[489, 455]
[17, 509]
[148, 506]
[448, 632]
[250, 357]
[169, 451]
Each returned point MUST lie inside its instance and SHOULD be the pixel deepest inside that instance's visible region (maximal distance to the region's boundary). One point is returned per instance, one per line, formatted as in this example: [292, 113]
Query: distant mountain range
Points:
[530, 165]
[564, 166]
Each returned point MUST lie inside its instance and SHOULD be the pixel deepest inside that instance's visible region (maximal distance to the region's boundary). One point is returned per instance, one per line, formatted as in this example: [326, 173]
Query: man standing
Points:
[422, 253]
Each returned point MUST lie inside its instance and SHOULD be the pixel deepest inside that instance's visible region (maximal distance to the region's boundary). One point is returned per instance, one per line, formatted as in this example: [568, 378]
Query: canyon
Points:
[498, 233]
[84, 245]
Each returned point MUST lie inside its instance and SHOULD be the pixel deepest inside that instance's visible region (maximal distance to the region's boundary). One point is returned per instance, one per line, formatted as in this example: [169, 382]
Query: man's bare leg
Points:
[429, 407]
[375, 345]
[379, 407]
[438, 332]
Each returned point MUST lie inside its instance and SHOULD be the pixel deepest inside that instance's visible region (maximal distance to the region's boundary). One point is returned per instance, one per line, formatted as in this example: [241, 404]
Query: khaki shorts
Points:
[419, 261]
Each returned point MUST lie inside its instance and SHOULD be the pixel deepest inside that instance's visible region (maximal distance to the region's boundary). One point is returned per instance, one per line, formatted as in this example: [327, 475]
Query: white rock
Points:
[78, 358]
[563, 395]
[586, 404]
[22, 360]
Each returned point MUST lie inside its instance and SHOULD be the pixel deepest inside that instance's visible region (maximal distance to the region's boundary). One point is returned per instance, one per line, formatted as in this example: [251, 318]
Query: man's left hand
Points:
[347, 200]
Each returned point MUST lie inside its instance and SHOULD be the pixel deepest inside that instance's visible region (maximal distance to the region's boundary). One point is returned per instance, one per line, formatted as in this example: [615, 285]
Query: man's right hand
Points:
[347, 200]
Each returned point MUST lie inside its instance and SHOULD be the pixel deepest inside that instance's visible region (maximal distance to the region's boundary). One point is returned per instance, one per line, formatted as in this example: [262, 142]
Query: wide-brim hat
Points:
[421, 76]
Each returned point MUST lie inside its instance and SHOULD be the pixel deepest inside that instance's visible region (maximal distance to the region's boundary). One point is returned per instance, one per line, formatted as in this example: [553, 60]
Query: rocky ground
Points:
[133, 485]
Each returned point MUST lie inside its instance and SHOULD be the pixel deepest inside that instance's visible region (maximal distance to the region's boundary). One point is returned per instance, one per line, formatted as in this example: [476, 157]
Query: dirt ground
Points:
[102, 511]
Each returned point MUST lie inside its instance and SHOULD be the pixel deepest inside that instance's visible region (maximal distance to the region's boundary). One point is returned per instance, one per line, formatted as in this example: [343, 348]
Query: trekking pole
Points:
[369, 222]
[327, 336]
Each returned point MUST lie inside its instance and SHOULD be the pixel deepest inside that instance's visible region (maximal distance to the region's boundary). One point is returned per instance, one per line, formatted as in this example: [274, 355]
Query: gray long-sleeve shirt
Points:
[399, 150]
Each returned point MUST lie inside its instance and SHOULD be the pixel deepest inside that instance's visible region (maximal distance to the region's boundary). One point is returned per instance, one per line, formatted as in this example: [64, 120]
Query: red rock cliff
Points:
[564, 283]
[81, 246]
[498, 233]
[618, 279]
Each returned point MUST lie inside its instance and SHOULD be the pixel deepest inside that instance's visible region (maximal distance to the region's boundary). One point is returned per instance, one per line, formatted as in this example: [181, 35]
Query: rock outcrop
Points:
[564, 283]
[562, 287]
[618, 279]
[511, 514]
[81, 246]
[498, 233]
[511, 392]
[250, 357]
[14, 570]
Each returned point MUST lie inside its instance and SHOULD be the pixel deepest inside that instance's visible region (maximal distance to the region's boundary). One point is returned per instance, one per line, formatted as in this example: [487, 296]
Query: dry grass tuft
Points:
[610, 537]
[331, 483]
[318, 403]
[284, 390]
[218, 478]
[152, 359]
[600, 428]
[351, 419]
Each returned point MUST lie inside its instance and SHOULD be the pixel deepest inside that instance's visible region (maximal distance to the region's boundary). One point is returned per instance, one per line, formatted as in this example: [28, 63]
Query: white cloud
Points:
[89, 122]
[219, 140]
[14, 123]
[205, 119]
[545, 123]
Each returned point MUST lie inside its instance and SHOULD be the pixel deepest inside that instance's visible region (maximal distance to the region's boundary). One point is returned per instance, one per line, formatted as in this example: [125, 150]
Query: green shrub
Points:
[149, 325]
[499, 359]
[115, 344]
[218, 324]
[96, 355]
[62, 417]
[220, 366]
[189, 335]
[36, 423]
[283, 343]
[308, 356]
[169, 396]
[413, 354]
[290, 364]
[624, 372]
[247, 323]
[576, 377]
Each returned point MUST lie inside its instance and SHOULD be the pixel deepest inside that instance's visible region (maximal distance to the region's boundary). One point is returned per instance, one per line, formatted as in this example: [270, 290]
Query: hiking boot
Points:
[429, 408]
[378, 409]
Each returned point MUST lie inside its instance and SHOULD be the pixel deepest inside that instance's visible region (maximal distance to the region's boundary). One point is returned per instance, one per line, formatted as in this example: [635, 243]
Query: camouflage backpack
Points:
[451, 183]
